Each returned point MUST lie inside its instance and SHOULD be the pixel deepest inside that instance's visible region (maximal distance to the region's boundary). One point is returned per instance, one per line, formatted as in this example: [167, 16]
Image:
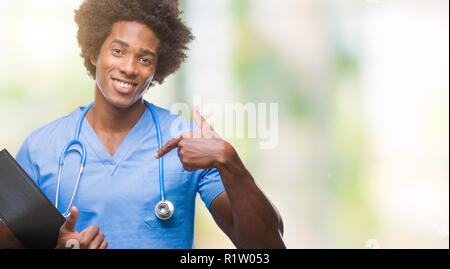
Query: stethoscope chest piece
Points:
[164, 210]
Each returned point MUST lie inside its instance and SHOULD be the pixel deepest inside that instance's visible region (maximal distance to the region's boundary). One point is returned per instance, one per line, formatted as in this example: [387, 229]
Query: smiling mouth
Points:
[124, 87]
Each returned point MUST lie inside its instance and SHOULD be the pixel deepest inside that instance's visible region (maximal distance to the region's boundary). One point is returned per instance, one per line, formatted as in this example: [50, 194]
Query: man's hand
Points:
[204, 149]
[199, 149]
[90, 238]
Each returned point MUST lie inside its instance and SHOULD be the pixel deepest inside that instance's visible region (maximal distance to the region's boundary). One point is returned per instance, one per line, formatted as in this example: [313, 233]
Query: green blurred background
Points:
[362, 88]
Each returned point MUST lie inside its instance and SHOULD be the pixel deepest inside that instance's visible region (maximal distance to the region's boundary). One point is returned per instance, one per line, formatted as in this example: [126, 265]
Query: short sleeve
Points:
[210, 186]
[24, 160]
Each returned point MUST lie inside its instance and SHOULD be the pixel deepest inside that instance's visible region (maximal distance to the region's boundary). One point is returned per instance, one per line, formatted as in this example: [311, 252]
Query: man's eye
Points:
[117, 51]
[145, 61]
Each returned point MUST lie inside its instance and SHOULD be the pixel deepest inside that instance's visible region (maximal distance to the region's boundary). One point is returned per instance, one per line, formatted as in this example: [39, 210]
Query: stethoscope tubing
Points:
[77, 141]
[160, 160]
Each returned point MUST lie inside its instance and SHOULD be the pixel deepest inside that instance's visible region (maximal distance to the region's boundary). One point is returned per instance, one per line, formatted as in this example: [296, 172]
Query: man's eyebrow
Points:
[125, 44]
[145, 51]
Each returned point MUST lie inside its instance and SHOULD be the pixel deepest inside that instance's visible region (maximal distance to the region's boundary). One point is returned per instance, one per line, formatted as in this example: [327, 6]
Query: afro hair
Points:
[95, 19]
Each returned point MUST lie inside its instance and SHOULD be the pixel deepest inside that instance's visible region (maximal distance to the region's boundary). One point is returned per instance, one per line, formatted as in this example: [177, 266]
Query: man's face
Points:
[126, 63]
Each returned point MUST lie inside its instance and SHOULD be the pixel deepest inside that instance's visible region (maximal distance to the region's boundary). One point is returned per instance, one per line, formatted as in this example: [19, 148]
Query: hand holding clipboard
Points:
[32, 218]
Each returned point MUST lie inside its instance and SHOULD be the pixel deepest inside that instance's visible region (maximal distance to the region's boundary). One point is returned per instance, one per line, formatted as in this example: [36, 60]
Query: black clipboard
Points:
[25, 209]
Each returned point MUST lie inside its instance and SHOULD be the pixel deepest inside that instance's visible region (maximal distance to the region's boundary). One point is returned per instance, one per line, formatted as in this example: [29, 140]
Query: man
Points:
[127, 47]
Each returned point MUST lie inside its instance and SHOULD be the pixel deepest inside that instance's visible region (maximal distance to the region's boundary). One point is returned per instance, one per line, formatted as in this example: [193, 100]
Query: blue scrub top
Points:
[119, 193]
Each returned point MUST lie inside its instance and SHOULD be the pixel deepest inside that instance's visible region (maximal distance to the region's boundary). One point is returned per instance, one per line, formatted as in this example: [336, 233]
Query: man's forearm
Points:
[256, 222]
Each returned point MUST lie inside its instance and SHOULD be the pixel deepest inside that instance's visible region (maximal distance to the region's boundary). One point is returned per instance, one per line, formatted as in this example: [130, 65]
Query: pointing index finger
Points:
[171, 144]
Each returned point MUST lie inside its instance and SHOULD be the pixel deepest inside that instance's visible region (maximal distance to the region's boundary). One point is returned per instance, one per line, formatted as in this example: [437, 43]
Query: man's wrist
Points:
[227, 157]
[231, 168]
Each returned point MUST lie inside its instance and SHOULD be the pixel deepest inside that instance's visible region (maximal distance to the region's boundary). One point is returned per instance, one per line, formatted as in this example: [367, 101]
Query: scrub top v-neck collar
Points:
[128, 145]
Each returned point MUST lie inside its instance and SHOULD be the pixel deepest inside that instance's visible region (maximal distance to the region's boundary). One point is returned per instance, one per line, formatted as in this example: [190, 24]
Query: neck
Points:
[107, 118]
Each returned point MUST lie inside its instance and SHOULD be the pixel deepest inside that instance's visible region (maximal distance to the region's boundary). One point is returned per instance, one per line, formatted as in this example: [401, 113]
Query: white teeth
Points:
[124, 85]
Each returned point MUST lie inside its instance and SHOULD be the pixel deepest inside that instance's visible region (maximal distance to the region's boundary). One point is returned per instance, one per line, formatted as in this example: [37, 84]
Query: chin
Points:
[122, 102]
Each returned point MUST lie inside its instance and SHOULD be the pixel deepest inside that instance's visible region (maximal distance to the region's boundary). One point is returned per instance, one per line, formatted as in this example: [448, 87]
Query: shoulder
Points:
[49, 134]
[44, 143]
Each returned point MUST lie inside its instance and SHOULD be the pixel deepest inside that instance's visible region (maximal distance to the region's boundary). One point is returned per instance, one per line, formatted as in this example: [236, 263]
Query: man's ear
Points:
[93, 60]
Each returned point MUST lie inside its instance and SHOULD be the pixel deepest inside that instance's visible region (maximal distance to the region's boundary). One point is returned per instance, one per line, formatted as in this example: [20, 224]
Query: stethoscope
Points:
[163, 210]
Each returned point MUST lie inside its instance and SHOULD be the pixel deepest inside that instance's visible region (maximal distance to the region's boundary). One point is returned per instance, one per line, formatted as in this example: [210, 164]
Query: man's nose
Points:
[128, 66]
